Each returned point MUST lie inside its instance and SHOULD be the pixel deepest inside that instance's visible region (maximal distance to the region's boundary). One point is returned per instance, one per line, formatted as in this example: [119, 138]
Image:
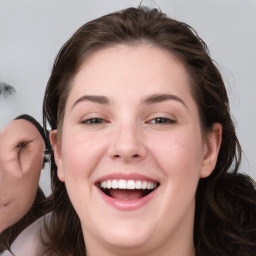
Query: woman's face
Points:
[21, 159]
[131, 152]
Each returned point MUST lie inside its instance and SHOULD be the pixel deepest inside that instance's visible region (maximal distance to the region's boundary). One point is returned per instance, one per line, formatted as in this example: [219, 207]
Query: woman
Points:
[145, 149]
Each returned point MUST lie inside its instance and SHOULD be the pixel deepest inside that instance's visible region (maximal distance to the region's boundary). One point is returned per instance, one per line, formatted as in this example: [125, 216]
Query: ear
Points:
[212, 146]
[56, 147]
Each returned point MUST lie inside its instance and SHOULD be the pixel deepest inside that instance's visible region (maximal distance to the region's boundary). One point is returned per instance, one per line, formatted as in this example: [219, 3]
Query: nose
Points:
[128, 144]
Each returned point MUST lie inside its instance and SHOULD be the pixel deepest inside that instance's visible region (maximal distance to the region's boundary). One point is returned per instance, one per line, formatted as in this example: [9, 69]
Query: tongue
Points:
[126, 194]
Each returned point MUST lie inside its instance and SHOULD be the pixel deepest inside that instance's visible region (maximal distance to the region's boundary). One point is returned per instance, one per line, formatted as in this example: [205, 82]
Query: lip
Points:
[128, 205]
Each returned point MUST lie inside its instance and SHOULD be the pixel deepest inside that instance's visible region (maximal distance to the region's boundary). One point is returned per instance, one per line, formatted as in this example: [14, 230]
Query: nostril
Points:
[136, 156]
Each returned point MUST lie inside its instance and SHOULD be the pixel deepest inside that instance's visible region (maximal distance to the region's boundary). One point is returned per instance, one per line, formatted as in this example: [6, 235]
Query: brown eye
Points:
[94, 121]
[161, 120]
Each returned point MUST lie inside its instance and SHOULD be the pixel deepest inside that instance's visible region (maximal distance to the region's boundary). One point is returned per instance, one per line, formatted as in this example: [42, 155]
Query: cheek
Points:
[179, 154]
[81, 152]
[180, 159]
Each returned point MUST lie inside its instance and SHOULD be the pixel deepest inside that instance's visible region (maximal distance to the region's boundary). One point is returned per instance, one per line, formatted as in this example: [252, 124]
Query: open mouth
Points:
[127, 189]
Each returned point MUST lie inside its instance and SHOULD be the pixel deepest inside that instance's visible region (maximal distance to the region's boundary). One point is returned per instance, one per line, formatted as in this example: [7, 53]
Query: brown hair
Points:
[8, 236]
[222, 226]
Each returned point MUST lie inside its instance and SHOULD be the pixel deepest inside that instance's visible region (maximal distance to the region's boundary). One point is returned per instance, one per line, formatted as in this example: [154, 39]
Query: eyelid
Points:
[90, 116]
[85, 121]
[168, 121]
[161, 115]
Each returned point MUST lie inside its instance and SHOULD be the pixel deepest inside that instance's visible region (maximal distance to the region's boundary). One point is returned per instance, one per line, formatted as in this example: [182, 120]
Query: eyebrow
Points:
[92, 98]
[152, 99]
[157, 98]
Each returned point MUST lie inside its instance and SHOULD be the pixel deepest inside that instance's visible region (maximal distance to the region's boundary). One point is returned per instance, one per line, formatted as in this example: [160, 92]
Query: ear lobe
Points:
[212, 143]
[60, 175]
[57, 154]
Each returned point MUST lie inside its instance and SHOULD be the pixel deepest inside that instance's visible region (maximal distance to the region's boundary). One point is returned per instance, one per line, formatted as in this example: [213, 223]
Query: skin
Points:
[129, 139]
[21, 158]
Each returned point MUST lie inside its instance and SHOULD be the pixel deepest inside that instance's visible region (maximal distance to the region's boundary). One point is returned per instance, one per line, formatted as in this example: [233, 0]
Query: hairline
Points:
[134, 43]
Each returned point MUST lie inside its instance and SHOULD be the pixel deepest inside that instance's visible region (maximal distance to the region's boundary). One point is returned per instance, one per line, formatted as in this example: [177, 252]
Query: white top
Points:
[28, 242]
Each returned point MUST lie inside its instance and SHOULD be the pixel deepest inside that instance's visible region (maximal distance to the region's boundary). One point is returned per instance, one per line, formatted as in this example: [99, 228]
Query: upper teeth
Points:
[128, 184]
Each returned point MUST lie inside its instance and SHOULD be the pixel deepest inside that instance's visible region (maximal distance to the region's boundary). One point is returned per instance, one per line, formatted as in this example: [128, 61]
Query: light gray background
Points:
[32, 32]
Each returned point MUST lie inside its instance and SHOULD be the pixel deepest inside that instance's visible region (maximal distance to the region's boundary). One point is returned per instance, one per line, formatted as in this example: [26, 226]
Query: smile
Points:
[129, 184]
[127, 189]
[127, 194]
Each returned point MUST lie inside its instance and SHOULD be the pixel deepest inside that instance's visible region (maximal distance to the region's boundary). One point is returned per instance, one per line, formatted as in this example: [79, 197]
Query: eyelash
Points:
[161, 121]
[157, 120]
[94, 121]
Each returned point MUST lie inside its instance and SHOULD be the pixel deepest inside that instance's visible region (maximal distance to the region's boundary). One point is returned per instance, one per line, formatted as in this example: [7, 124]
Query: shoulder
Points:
[29, 241]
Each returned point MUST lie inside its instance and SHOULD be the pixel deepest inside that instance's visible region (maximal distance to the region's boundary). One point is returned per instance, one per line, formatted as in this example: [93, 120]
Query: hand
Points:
[21, 160]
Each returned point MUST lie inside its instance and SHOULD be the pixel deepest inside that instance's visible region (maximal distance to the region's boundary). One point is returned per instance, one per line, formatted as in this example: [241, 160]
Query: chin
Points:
[129, 235]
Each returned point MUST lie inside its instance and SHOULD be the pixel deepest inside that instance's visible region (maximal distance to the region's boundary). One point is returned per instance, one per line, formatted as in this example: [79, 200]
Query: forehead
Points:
[123, 70]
